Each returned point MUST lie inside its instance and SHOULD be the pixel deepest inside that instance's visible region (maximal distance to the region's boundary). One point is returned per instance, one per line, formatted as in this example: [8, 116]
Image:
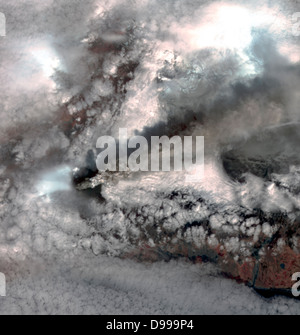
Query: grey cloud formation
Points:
[110, 286]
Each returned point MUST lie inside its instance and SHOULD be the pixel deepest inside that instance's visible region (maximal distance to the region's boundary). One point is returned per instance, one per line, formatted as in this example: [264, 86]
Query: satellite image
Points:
[149, 158]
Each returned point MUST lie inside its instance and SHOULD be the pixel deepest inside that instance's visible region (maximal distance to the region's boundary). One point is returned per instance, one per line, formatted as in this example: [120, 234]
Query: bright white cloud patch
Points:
[53, 181]
[46, 58]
